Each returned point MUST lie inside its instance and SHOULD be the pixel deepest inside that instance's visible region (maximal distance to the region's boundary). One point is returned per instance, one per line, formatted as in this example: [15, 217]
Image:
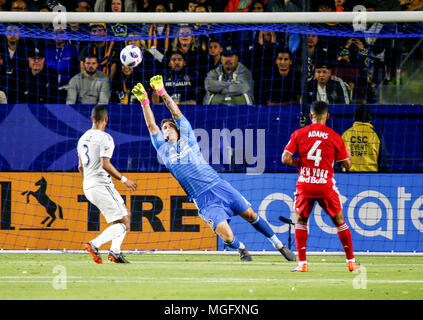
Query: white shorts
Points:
[108, 201]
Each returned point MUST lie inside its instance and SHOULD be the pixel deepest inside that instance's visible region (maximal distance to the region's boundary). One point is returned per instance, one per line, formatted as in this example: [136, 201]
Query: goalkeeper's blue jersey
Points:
[185, 160]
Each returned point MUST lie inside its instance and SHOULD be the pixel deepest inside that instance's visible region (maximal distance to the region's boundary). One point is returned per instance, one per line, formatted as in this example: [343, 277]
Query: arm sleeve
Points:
[291, 147]
[104, 91]
[213, 84]
[107, 146]
[72, 92]
[185, 129]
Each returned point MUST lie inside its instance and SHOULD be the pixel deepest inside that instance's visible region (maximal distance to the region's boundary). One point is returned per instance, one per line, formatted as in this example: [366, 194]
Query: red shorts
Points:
[330, 202]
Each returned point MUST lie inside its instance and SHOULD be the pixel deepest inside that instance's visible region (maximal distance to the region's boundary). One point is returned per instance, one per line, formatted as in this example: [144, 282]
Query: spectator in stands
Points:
[319, 48]
[90, 86]
[118, 29]
[18, 5]
[326, 6]
[195, 56]
[3, 7]
[202, 39]
[366, 147]
[212, 6]
[62, 56]
[107, 52]
[122, 85]
[264, 52]
[215, 50]
[283, 6]
[231, 82]
[13, 53]
[412, 5]
[158, 47]
[237, 5]
[191, 5]
[355, 66]
[327, 88]
[342, 5]
[83, 6]
[145, 6]
[116, 6]
[383, 51]
[257, 6]
[3, 98]
[285, 83]
[180, 85]
[41, 82]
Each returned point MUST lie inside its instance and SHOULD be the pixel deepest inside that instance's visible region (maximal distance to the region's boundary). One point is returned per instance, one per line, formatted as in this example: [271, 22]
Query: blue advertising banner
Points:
[232, 138]
[384, 212]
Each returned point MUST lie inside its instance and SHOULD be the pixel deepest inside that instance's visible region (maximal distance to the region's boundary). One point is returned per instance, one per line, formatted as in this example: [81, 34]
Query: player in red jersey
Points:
[318, 147]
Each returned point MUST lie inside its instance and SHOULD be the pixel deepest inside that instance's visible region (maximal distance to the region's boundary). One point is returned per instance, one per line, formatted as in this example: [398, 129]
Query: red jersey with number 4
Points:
[318, 147]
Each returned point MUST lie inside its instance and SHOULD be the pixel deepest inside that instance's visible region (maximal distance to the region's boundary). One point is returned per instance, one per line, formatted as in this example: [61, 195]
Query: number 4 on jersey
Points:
[315, 154]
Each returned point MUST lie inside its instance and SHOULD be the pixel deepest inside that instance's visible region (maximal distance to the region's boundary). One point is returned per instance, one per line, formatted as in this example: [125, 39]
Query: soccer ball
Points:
[131, 56]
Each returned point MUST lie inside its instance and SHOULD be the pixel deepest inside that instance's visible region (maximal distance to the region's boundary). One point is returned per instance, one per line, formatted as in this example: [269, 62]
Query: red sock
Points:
[301, 234]
[344, 235]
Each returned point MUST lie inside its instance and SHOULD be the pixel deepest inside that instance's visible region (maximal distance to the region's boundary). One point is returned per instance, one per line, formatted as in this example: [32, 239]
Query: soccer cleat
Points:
[353, 266]
[94, 252]
[288, 254]
[117, 257]
[301, 268]
[244, 255]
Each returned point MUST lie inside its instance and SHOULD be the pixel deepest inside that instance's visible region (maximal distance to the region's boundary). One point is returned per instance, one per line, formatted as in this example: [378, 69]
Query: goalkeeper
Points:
[216, 200]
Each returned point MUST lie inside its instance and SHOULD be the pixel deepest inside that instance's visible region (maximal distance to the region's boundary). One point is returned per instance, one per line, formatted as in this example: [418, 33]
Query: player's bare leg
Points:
[344, 235]
[224, 231]
[301, 234]
[263, 227]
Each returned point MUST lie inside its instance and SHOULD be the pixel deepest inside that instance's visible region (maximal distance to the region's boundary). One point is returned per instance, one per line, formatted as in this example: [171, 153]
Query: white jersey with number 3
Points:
[92, 146]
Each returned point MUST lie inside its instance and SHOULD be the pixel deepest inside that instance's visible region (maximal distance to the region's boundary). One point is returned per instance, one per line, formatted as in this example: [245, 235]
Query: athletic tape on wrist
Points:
[145, 102]
[123, 179]
[162, 91]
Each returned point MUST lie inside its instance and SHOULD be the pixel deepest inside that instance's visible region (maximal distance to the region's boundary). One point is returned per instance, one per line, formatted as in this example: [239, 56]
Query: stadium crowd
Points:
[239, 67]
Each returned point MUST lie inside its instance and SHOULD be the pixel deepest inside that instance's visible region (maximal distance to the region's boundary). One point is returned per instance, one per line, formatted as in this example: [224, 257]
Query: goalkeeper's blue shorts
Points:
[220, 203]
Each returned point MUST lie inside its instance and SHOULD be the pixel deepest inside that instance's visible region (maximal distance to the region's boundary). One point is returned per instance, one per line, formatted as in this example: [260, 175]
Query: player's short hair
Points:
[99, 113]
[319, 108]
[173, 124]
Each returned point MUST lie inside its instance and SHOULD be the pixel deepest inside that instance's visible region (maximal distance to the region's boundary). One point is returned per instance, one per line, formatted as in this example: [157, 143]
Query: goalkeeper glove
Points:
[140, 93]
[156, 83]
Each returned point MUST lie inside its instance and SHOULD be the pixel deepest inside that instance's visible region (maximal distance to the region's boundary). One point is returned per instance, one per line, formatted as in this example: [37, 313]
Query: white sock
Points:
[351, 260]
[117, 242]
[275, 241]
[301, 263]
[110, 233]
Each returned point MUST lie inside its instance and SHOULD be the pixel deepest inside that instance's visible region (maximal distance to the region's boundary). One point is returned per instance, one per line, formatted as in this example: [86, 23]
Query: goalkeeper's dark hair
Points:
[99, 113]
[173, 124]
[319, 108]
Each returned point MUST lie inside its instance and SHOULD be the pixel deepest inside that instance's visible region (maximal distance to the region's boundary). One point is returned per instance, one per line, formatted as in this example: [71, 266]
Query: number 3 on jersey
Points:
[86, 158]
[315, 154]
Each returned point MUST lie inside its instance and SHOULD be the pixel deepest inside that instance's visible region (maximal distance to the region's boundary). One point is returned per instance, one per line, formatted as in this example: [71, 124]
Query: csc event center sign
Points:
[49, 211]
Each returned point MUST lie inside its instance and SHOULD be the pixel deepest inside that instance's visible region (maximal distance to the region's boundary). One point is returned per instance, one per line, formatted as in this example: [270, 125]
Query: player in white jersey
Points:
[95, 149]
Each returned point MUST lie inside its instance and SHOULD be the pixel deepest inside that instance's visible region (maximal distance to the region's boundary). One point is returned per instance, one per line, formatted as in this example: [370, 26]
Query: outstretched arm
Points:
[140, 93]
[156, 83]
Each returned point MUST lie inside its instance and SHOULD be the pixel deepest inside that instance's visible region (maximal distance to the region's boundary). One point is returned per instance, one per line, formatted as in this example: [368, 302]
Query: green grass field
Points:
[207, 277]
